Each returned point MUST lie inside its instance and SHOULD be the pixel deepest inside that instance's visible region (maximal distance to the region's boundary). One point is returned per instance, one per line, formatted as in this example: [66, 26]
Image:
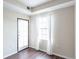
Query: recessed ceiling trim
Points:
[59, 6]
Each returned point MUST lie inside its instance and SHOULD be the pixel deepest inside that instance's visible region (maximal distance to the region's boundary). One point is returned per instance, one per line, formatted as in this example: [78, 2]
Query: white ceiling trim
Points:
[27, 12]
[59, 6]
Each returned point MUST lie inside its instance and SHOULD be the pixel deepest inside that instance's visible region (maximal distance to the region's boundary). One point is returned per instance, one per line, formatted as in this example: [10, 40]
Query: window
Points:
[44, 27]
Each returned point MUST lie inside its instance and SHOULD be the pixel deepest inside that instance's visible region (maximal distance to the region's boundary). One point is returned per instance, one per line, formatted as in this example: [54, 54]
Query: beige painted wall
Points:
[10, 31]
[63, 35]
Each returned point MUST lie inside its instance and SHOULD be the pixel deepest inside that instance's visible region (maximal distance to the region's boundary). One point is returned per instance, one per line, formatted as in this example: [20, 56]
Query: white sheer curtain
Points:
[44, 41]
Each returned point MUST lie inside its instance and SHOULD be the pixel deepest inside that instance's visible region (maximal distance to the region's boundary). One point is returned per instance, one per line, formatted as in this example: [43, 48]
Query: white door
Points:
[22, 34]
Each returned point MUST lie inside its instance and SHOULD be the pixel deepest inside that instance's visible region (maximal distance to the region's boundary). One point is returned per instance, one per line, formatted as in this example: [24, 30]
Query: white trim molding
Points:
[59, 6]
[62, 56]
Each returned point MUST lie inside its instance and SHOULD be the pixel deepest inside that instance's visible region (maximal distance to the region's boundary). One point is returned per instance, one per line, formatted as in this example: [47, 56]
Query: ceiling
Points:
[37, 5]
[30, 3]
[34, 3]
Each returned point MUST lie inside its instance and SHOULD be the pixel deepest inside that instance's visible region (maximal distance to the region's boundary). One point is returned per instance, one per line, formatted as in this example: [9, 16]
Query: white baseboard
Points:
[9, 55]
[62, 56]
[42, 50]
[57, 55]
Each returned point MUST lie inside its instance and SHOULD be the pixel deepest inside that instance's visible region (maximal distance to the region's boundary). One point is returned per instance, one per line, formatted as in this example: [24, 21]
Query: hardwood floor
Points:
[30, 53]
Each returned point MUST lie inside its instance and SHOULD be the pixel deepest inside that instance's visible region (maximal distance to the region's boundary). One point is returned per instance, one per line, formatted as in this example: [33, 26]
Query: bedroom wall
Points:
[63, 35]
[10, 31]
[33, 32]
[64, 32]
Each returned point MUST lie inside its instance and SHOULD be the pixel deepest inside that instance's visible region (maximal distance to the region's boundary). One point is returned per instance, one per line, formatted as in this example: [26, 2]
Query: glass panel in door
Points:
[22, 34]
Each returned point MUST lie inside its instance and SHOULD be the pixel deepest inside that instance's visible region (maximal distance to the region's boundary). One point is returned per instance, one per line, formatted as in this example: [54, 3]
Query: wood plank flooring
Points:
[31, 53]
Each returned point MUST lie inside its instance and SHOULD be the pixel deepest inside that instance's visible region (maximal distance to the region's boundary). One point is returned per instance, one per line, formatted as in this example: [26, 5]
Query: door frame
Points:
[17, 32]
